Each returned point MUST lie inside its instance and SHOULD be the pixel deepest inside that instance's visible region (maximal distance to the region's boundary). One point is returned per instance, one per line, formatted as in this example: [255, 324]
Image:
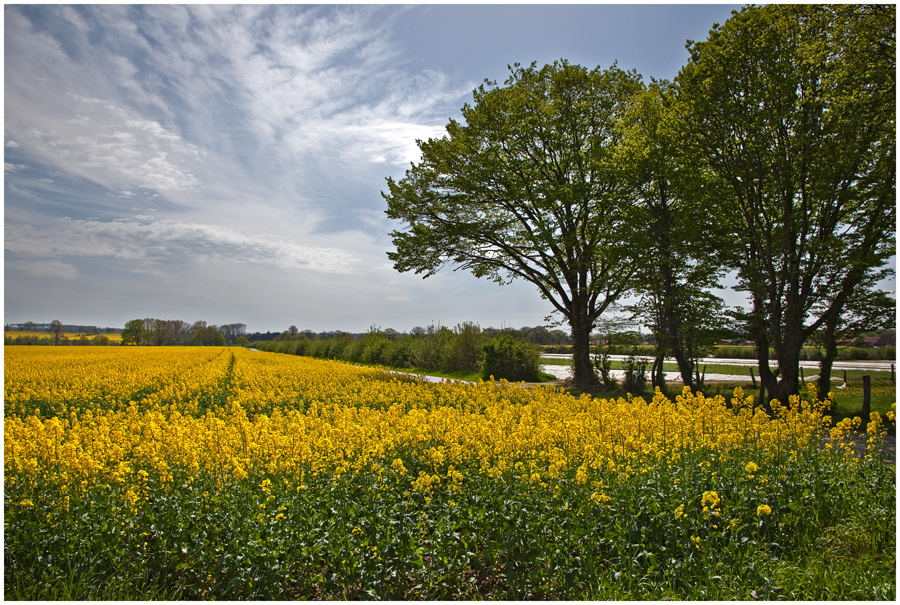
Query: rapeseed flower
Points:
[710, 500]
[136, 418]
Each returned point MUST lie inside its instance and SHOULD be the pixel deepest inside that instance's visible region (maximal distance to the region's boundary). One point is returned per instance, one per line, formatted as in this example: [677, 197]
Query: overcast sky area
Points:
[226, 164]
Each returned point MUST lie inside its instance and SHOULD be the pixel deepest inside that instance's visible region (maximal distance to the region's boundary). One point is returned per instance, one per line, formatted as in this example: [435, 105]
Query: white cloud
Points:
[149, 245]
[68, 112]
[107, 144]
[229, 138]
[43, 267]
[12, 144]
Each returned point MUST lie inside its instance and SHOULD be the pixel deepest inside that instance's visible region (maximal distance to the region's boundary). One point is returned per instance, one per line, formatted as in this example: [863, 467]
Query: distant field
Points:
[69, 335]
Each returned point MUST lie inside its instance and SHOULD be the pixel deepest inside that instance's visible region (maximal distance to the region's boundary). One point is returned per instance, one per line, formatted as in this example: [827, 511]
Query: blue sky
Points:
[225, 163]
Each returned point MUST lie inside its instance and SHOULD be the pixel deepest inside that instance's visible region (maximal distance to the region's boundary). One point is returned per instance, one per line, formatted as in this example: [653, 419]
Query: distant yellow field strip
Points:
[69, 335]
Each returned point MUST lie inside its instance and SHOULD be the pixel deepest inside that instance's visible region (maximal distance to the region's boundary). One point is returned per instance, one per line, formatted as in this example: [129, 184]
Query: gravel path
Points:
[564, 372]
[873, 365]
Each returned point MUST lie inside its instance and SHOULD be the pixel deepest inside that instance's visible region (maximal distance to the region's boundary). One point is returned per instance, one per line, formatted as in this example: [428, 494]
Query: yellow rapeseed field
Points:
[201, 472]
[98, 413]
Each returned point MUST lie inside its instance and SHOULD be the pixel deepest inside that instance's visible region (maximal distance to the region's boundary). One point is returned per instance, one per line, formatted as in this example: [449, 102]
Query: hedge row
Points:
[464, 349]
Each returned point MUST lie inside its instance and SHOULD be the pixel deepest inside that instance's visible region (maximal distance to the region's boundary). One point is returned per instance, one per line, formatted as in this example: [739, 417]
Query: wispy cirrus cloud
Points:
[160, 145]
[183, 100]
[331, 80]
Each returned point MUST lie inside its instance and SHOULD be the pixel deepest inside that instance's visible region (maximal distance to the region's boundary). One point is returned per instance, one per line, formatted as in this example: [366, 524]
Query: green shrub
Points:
[374, 348]
[463, 349]
[811, 353]
[318, 348]
[734, 352]
[514, 360]
[350, 351]
[397, 354]
[856, 353]
[429, 350]
[888, 353]
[557, 349]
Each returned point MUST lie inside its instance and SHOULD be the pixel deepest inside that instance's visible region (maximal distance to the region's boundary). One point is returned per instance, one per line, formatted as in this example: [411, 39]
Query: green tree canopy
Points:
[683, 249]
[528, 188]
[793, 109]
[133, 334]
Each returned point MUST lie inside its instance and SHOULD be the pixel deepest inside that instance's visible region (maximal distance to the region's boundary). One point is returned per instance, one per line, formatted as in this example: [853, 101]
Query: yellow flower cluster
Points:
[105, 414]
[710, 501]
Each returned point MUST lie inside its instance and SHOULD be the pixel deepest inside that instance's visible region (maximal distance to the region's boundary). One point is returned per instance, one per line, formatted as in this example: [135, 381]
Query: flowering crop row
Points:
[124, 438]
[290, 415]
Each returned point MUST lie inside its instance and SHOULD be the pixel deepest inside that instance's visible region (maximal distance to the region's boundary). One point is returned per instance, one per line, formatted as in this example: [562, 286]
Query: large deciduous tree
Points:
[527, 188]
[793, 107]
[683, 251]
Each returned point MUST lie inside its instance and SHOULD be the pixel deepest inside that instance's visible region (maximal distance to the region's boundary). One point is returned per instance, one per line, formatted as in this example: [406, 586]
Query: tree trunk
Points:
[657, 374]
[825, 365]
[583, 376]
[767, 379]
[684, 365]
[787, 382]
[787, 339]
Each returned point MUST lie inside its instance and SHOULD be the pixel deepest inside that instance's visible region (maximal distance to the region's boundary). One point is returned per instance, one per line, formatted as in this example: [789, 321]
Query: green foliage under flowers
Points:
[801, 524]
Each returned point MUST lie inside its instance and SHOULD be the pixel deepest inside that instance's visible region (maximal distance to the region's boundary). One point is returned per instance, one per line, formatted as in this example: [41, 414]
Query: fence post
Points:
[752, 377]
[867, 401]
[802, 375]
[892, 373]
[845, 377]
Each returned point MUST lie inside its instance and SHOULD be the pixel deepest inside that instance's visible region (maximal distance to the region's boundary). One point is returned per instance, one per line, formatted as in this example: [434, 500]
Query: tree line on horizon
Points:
[539, 335]
[771, 157]
[167, 332]
[162, 332]
[30, 326]
[618, 335]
